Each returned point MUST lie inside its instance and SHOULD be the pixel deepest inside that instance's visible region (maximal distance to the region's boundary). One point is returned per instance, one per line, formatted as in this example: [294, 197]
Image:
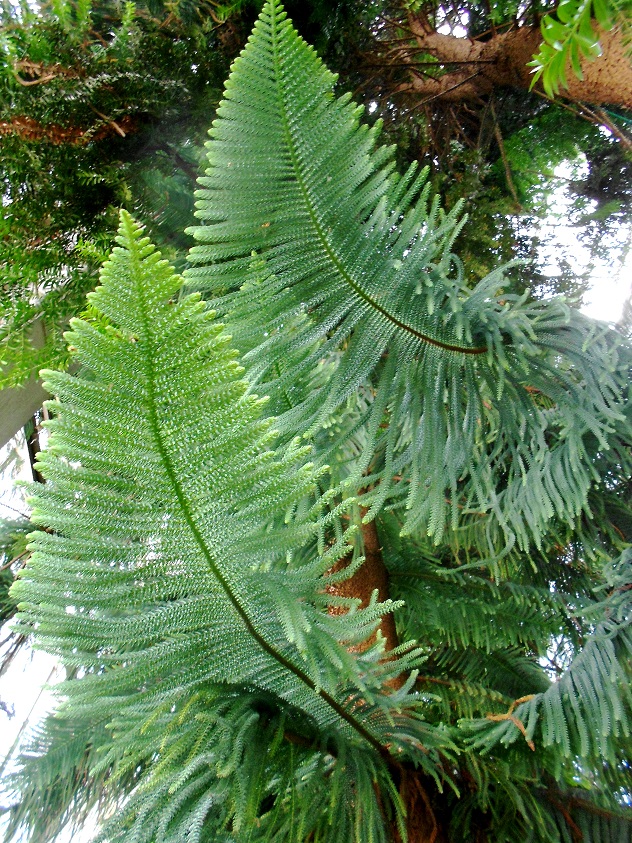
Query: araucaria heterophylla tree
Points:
[391, 601]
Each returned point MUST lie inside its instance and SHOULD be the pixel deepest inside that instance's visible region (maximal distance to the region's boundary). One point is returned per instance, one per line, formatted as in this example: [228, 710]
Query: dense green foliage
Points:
[190, 569]
[105, 104]
[199, 571]
[100, 106]
[398, 304]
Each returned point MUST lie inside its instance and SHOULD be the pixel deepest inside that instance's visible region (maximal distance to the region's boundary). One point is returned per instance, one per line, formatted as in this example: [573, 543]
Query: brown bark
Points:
[422, 824]
[371, 575]
[31, 130]
[475, 68]
[34, 447]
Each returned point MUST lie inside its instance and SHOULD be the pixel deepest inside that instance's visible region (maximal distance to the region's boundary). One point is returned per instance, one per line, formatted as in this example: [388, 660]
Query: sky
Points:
[611, 279]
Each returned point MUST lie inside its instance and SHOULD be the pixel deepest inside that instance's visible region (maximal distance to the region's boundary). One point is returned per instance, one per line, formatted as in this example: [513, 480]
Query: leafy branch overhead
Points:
[353, 290]
[570, 37]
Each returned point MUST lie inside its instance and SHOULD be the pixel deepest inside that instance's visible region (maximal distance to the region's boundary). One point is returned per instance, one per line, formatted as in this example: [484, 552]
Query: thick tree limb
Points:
[28, 129]
[502, 61]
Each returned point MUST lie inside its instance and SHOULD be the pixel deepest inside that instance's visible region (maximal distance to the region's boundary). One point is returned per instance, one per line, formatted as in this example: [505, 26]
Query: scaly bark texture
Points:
[422, 824]
[371, 575]
[475, 68]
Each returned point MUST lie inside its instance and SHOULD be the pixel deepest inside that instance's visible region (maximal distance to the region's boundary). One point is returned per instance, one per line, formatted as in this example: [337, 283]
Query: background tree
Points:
[100, 108]
[220, 599]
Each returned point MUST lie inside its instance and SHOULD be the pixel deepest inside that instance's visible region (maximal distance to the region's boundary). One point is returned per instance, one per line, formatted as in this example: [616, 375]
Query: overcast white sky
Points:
[610, 284]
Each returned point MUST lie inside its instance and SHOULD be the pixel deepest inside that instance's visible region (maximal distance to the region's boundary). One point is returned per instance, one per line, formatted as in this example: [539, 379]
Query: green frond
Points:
[220, 685]
[292, 791]
[587, 713]
[511, 801]
[165, 579]
[56, 784]
[13, 534]
[462, 606]
[321, 258]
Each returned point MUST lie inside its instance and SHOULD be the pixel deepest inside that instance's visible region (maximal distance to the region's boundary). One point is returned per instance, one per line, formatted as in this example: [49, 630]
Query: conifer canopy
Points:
[391, 601]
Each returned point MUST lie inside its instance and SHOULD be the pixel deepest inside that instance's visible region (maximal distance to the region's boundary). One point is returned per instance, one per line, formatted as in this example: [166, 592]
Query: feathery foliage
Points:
[339, 280]
[596, 687]
[86, 90]
[226, 681]
[168, 578]
[104, 103]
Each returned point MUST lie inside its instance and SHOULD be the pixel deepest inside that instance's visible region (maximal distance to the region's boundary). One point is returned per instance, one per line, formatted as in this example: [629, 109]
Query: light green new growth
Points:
[167, 573]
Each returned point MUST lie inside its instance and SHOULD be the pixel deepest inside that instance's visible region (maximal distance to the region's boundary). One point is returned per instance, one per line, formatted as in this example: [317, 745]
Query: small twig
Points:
[41, 81]
[600, 118]
[99, 37]
[435, 681]
[583, 111]
[109, 121]
[15, 559]
[575, 829]
[13, 509]
[517, 723]
[437, 65]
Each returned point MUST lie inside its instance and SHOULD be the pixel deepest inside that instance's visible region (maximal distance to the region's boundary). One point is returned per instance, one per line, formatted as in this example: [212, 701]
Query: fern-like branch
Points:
[336, 278]
[167, 572]
[588, 711]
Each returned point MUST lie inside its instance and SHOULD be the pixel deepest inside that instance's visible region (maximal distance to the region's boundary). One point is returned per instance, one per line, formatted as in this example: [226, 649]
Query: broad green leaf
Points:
[571, 33]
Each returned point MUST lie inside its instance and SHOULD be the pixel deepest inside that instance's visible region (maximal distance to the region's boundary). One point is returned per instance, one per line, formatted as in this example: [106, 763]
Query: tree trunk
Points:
[475, 68]
[371, 575]
[422, 823]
